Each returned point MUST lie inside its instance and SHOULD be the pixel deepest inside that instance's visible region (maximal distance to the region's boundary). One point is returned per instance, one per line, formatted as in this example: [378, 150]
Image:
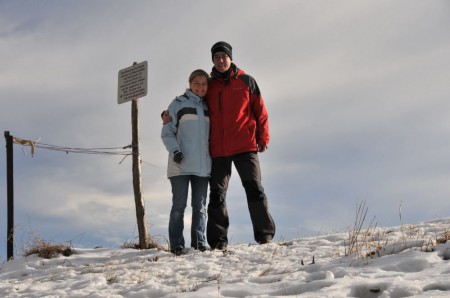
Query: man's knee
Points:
[254, 191]
[216, 199]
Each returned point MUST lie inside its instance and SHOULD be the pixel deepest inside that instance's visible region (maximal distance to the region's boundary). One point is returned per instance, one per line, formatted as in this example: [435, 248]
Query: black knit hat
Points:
[221, 46]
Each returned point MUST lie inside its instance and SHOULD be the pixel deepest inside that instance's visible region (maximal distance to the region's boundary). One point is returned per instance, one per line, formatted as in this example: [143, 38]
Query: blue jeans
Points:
[180, 188]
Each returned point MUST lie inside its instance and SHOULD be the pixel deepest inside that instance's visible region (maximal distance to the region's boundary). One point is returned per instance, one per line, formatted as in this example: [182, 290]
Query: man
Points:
[239, 130]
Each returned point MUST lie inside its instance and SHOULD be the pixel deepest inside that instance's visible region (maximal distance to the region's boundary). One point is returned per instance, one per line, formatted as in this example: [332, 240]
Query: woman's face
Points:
[199, 85]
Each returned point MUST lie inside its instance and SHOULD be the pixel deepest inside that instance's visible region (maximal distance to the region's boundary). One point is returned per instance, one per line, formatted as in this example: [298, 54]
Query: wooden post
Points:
[10, 194]
[132, 85]
[137, 185]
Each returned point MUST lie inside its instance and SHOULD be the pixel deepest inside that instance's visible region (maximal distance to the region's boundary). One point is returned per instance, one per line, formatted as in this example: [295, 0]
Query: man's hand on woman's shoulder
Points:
[166, 117]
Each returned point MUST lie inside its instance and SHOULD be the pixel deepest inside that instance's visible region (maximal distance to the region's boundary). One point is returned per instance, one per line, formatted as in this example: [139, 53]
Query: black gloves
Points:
[178, 157]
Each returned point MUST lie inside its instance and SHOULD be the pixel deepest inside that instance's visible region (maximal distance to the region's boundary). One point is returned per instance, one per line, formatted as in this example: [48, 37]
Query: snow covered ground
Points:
[404, 261]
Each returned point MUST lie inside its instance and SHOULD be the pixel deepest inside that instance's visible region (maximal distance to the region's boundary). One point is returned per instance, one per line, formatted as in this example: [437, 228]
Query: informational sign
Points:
[132, 82]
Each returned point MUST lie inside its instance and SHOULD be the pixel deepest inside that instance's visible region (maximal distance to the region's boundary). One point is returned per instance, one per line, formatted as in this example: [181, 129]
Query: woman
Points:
[186, 139]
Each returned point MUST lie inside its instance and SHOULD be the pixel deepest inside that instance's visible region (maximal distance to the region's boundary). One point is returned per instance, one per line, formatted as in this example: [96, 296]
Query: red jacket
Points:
[239, 119]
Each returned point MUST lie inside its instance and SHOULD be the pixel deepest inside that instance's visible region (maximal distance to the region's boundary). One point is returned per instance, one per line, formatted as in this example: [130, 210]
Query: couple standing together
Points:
[219, 121]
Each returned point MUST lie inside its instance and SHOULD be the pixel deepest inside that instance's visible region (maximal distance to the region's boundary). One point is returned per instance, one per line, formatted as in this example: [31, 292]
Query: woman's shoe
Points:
[178, 251]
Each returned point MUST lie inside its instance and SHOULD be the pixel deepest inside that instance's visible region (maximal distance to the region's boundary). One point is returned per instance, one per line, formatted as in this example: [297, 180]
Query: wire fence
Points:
[121, 151]
[124, 151]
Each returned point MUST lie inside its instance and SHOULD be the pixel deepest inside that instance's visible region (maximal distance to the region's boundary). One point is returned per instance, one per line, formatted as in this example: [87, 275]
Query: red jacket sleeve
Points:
[261, 117]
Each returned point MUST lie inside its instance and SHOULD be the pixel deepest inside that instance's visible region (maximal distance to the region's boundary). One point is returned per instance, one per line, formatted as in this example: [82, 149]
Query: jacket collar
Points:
[232, 72]
[192, 95]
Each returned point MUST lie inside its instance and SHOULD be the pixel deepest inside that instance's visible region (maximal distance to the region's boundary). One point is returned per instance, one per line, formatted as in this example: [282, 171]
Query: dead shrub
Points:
[45, 249]
[159, 243]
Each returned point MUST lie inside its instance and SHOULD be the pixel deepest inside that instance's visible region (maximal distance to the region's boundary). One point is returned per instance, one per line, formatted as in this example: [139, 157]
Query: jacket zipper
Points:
[222, 117]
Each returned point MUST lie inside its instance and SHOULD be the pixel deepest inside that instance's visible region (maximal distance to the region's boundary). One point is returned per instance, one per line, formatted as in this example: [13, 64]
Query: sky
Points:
[389, 262]
[357, 94]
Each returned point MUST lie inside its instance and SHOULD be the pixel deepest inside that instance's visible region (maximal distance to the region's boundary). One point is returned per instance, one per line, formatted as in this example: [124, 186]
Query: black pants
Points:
[247, 165]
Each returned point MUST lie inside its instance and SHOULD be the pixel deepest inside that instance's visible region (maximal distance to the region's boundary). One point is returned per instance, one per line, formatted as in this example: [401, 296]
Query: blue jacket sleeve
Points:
[169, 131]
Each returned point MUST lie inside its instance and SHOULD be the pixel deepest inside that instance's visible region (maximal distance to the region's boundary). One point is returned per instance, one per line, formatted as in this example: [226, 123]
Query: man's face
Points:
[221, 62]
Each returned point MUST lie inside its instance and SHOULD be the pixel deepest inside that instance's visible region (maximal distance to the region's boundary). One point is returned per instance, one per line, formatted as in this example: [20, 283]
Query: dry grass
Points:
[360, 242]
[45, 249]
[154, 242]
[366, 244]
[48, 250]
[441, 239]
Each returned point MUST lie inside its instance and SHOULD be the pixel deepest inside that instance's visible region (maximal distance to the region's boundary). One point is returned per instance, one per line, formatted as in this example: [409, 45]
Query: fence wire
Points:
[121, 151]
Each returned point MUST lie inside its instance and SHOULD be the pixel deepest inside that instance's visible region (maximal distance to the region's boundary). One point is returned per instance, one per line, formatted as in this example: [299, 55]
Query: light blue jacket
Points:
[188, 133]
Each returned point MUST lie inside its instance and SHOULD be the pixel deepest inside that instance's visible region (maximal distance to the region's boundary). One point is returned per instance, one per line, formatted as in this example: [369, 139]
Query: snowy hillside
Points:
[404, 261]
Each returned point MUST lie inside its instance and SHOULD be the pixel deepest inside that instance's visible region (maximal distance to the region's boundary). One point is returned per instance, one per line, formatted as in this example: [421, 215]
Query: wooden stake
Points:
[137, 185]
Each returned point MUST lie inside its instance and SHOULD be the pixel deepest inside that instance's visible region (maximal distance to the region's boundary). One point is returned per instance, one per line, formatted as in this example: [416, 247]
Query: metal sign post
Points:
[132, 85]
[10, 194]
